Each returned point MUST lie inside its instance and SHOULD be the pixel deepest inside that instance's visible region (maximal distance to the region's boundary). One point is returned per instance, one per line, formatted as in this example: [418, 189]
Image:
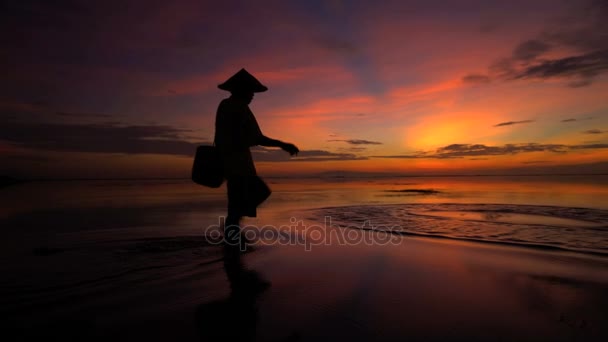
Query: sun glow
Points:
[439, 131]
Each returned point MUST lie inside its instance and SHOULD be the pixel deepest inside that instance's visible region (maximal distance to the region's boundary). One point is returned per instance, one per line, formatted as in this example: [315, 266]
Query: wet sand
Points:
[181, 288]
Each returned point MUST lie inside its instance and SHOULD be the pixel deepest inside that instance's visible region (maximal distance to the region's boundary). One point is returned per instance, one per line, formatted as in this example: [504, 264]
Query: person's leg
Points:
[232, 228]
[232, 220]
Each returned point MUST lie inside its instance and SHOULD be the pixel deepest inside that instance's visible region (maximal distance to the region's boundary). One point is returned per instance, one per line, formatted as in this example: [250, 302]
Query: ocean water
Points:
[539, 226]
[567, 212]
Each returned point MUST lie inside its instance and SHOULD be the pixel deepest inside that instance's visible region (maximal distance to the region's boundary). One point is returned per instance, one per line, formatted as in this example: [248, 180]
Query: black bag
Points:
[207, 169]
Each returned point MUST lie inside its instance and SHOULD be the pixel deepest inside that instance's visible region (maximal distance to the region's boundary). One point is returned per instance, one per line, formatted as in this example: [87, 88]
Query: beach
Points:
[124, 260]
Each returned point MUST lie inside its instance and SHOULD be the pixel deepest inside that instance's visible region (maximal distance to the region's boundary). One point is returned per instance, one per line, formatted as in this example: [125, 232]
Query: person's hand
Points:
[290, 148]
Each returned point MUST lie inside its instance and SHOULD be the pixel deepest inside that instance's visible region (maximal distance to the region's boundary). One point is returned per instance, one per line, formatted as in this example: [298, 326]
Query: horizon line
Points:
[364, 175]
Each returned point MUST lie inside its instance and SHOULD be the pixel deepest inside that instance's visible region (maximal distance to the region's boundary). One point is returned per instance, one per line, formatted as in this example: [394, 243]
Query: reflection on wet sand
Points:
[234, 318]
[426, 289]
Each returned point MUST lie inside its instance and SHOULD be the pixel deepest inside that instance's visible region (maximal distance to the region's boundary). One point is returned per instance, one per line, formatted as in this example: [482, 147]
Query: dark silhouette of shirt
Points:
[236, 130]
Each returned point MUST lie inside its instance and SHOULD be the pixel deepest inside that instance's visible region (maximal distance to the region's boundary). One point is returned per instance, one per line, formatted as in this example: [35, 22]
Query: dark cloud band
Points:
[262, 154]
[103, 138]
[480, 150]
[357, 141]
[510, 123]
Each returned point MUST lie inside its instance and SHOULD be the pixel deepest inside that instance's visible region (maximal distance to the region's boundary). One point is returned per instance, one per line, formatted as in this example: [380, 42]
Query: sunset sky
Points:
[129, 88]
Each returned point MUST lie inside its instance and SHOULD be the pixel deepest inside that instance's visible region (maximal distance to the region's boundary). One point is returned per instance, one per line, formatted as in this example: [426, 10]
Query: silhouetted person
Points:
[234, 318]
[236, 130]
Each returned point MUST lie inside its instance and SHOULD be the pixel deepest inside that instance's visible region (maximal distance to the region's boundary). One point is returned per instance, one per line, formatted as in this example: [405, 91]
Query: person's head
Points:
[243, 95]
[242, 85]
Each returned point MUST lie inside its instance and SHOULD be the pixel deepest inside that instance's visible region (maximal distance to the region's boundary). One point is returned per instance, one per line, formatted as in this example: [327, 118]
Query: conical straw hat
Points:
[243, 81]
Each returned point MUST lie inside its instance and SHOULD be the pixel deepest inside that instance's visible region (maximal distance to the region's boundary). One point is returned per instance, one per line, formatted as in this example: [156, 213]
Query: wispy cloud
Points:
[82, 115]
[262, 154]
[576, 119]
[582, 67]
[41, 111]
[585, 34]
[536, 162]
[356, 141]
[509, 123]
[476, 79]
[530, 49]
[103, 138]
[588, 146]
[477, 150]
[594, 131]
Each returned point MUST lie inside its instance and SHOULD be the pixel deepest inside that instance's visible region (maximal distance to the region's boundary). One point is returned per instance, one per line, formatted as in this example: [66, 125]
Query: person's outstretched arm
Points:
[287, 147]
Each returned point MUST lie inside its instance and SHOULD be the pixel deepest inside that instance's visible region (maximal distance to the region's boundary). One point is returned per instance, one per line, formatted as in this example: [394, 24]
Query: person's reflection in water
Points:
[234, 318]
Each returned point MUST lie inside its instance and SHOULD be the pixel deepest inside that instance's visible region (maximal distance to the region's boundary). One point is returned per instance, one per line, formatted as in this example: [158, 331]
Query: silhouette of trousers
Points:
[245, 193]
